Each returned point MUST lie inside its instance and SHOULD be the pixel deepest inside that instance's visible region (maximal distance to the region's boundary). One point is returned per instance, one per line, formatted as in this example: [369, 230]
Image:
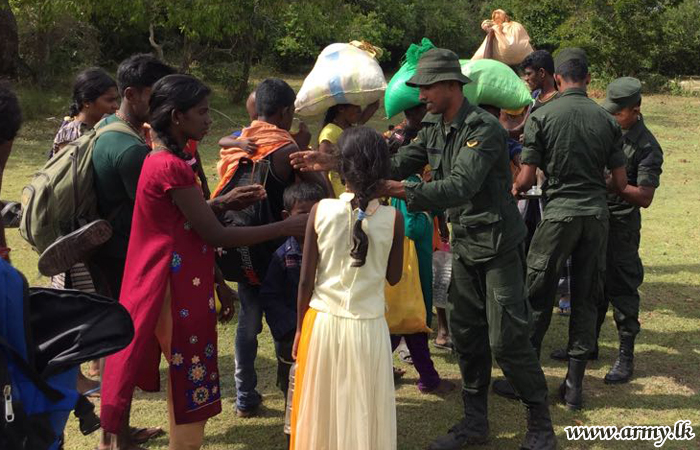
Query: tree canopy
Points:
[221, 39]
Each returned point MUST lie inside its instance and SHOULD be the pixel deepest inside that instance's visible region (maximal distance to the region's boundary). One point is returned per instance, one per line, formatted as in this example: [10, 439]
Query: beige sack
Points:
[512, 43]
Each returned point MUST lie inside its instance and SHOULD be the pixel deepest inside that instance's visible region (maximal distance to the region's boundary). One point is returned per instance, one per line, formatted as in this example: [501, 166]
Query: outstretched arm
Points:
[199, 214]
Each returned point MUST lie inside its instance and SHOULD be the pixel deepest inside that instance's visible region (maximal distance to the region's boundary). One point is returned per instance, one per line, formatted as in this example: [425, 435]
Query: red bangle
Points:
[5, 253]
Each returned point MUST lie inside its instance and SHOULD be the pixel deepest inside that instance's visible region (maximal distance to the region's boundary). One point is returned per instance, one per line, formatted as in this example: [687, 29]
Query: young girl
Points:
[94, 96]
[344, 394]
[169, 275]
[339, 118]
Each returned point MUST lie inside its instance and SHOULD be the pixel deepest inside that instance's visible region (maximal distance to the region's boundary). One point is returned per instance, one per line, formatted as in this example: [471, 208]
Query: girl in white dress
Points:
[344, 387]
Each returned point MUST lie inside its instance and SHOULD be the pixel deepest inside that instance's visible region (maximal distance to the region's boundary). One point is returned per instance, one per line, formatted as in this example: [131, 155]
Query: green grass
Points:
[666, 384]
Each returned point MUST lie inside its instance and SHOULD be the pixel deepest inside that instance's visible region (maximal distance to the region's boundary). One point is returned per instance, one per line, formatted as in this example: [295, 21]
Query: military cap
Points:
[567, 55]
[622, 93]
[437, 64]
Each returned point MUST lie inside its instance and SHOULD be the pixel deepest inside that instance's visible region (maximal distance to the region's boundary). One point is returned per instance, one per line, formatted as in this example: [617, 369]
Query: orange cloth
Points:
[302, 351]
[268, 138]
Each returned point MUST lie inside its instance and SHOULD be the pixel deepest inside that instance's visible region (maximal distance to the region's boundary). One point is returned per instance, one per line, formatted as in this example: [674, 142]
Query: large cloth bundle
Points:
[494, 83]
[343, 74]
[399, 97]
[512, 43]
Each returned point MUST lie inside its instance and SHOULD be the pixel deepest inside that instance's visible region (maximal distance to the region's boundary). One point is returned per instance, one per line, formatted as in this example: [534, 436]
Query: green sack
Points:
[494, 83]
[398, 97]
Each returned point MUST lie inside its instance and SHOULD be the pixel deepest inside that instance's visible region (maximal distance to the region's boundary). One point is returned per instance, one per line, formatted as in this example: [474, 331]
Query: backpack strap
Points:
[120, 127]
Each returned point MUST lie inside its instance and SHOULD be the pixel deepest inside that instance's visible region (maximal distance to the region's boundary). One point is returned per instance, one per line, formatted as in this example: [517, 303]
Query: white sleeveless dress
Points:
[346, 399]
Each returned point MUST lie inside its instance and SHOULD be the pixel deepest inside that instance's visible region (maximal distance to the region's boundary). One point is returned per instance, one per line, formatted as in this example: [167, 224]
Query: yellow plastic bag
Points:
[405, 312]
[512, 43]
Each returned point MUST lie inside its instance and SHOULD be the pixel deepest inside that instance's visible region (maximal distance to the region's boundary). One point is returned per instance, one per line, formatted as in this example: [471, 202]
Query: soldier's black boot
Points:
[621, 371]
[540, 434]
[472, 430]
[563, 355]
[571, 390]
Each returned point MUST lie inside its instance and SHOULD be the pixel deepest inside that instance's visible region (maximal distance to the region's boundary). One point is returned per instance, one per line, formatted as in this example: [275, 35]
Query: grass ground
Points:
[666, 385]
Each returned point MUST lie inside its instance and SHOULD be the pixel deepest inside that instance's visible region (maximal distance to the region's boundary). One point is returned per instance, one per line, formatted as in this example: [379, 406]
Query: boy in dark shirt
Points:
[278, 294]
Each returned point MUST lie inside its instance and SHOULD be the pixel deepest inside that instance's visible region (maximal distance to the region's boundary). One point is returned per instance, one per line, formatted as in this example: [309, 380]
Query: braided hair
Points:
[364, 162]
[176, 93]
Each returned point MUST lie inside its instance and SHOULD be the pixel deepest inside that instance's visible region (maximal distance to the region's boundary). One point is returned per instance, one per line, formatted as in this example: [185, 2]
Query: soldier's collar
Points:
[458, 119]
[634, 133]
[574, 91]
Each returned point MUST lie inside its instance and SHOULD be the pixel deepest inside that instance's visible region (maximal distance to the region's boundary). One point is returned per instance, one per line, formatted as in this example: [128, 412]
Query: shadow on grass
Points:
[673, 269]
[253, 436]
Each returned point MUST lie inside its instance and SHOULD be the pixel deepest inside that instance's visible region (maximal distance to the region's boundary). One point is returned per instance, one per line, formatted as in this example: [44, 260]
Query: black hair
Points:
[331, 114]
[539, 59]
[174, 93]
[364, 161]
[272, 95]
[141, 71]
[573, 70]
[89, 85]
[302, 191]
[10, 114]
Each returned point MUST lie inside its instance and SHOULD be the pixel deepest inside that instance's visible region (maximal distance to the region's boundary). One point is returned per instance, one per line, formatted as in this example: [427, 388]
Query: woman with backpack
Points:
[94, 96]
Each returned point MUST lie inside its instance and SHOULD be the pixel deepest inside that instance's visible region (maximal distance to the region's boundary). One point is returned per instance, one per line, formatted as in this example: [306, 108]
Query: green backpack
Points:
[61, 197]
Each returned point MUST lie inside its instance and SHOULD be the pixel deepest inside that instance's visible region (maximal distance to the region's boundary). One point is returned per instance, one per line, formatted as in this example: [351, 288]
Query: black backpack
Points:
[247, 264]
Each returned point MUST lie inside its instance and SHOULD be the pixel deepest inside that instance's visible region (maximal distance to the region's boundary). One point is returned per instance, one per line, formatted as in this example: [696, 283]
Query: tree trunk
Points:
[152, 40]
[186, 54]
[9, 41]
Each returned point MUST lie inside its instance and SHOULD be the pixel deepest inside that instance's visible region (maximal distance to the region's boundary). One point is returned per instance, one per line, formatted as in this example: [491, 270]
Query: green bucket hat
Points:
[622, 93]
[437, 64]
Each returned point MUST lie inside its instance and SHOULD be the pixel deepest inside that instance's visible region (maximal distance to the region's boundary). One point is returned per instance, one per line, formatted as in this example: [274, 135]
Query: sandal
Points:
[446, 346]
[140, 436]
[93, 393]
[405, 356]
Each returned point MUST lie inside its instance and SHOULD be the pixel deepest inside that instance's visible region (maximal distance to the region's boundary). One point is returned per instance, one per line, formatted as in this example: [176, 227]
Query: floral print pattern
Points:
[176, 359]
[176, 263]
[197, 373]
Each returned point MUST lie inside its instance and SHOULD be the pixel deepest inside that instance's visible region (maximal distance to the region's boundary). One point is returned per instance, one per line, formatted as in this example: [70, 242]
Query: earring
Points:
[177, 123]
